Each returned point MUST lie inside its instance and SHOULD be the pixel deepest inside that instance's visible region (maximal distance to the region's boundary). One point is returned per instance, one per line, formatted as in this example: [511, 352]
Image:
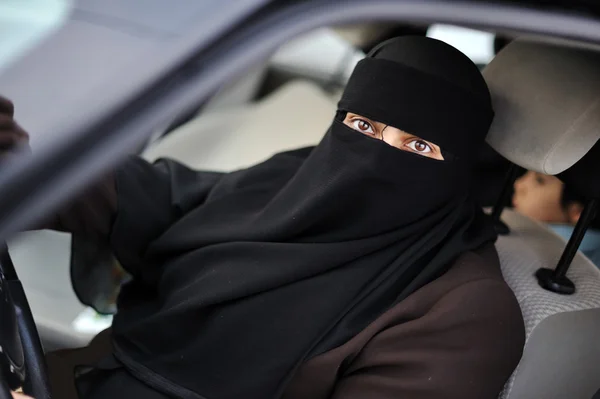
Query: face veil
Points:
[266, 267]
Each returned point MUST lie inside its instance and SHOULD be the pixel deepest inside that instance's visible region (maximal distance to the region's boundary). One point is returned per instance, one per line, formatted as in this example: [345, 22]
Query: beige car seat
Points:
[298, 114]
[547, 103]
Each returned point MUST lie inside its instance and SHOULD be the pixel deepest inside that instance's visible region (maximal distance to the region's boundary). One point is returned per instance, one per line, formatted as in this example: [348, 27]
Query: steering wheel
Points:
[22, 363]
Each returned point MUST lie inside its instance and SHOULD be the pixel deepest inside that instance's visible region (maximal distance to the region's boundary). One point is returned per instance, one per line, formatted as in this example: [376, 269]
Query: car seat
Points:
[547, 103]
[296, 115]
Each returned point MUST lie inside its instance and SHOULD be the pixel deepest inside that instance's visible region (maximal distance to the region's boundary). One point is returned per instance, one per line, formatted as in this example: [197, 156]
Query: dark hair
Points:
[570, 196]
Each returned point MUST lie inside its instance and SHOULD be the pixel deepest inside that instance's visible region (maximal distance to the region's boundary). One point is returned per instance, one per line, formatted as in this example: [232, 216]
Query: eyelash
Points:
[410, 145]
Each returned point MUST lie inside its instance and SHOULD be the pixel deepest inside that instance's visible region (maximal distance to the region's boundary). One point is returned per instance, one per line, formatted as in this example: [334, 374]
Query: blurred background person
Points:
[547, 199]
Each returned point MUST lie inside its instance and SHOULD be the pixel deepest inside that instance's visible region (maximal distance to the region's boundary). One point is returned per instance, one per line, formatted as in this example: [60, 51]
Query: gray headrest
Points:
[547, 103]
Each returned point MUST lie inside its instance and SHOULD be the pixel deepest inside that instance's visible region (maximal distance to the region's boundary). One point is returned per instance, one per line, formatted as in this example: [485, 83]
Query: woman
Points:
[357, 268]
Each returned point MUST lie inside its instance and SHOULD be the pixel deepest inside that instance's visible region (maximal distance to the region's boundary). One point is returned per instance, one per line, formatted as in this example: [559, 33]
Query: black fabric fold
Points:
[418, 103]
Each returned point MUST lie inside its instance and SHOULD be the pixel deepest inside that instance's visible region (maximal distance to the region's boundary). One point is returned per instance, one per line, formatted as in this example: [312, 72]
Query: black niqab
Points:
[242, 277]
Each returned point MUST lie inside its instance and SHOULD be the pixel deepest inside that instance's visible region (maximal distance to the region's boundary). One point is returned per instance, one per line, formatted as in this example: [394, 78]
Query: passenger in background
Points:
[547, 199]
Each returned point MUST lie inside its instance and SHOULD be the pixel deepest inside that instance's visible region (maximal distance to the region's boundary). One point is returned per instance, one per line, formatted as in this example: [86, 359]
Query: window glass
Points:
[477, 45]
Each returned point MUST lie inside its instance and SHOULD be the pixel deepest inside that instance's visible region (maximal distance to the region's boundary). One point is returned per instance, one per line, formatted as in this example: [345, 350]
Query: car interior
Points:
[250, 120]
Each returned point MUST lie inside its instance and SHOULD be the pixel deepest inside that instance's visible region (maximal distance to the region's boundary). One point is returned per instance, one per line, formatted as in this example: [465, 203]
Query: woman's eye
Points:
[362, 126]
[419, 146]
